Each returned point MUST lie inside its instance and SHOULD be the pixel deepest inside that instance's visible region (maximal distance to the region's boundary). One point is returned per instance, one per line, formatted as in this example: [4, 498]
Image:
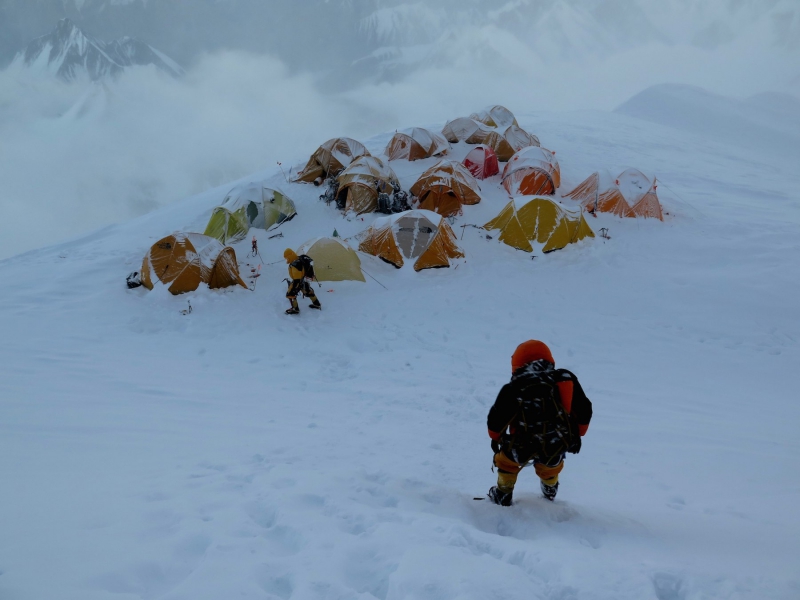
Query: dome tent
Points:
[415, 143]
[524, 220]
[414, 234]
[481, 162]
[600, 192]
[330, 158]
[532, 171]
[445, 187]
[359, 183]
[185, 260]
[249, 205]
[333, 259]
[495, 127]
[495, 116]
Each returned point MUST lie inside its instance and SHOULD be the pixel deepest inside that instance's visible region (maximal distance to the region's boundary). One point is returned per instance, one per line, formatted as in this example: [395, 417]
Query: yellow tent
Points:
[359, 184]
[185, 260]
[526, 219]
[333, 259]
[419, 234]
[330, 158]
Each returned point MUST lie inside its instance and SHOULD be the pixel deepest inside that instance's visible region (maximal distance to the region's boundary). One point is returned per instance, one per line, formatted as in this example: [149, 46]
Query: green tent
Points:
[249, 205]
[228, 227]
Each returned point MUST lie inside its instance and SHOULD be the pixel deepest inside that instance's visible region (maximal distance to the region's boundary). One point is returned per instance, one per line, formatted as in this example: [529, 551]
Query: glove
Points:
[575, 448]
[496, 445]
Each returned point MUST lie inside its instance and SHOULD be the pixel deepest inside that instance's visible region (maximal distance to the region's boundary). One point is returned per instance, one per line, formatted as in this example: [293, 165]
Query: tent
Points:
[445, 187]
[416, 143]
[525, 220]
[330, 158]
[495, 116]
[532, 171]
[245, 206]
[415, 234]
[640, 193]
[333, 259]
[504, 141]
[481, 162]
[359, 184]
[600, 192]
[185, 260]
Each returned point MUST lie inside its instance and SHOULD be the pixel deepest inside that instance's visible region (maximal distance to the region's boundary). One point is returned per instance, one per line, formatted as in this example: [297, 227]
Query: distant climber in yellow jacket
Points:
[301, 271]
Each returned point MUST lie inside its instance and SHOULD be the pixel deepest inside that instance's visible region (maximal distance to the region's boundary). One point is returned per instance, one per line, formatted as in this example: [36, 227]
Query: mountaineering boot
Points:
[499, 497]
[316, 305]
[294, 309]
[549, 491]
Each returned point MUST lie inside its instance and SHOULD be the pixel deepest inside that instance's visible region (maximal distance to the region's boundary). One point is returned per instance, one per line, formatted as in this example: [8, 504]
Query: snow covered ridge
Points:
[68, 53]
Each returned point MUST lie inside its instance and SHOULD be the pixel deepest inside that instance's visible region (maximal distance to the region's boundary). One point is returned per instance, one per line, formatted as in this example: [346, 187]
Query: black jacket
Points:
[540, 414]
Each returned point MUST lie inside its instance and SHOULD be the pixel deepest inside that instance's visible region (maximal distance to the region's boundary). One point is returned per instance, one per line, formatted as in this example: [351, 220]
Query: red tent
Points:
[482, 162]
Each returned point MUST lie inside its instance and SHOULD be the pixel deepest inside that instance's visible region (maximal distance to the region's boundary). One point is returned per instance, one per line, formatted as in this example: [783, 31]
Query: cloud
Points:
[74, 157]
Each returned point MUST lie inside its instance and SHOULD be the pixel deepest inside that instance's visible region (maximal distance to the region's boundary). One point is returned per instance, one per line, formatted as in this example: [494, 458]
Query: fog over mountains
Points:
[69, 54]
[383, 40]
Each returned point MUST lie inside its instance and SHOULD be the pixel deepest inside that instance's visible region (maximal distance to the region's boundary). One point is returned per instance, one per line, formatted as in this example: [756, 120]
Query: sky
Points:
[78, 156]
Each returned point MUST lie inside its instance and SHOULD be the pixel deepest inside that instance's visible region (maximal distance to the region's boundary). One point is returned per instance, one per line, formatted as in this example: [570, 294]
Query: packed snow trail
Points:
[238, 452]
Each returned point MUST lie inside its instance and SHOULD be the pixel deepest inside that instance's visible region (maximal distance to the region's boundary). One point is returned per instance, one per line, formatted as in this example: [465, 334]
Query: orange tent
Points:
[482, 162]
[631, 194]
[504, 141]
[359, 183]
[640, 193]
[532, 171]
[330, 158]
[445, 187]
[185, 260]
[416, 143]
[417, 234]
[495, 116]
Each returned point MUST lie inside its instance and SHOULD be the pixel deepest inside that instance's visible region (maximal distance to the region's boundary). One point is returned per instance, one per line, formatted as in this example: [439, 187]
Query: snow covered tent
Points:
[481, 162]
[495, 116]
[600, 192]
[185, 260]
[333, 259]
[249, 205]
[415, 143]
[418, 234]
[359, 184]
[330, 158]
[445, 187]
[524, 220]
[640, 193]
[505, 142]
[532, 171]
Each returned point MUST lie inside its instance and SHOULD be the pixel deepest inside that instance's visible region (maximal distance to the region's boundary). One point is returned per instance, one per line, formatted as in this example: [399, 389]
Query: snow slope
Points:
[237, 452]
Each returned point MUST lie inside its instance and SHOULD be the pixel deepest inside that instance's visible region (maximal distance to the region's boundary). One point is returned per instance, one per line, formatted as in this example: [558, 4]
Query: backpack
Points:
[542, 428]
[308, 265]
